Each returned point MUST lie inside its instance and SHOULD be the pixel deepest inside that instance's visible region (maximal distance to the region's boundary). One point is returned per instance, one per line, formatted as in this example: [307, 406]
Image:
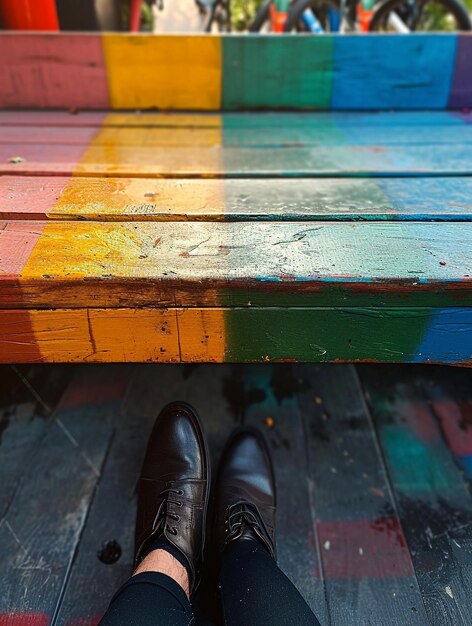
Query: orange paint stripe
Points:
[112, 335]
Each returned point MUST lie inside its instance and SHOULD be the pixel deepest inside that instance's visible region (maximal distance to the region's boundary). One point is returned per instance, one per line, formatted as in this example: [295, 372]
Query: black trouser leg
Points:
[255, 592]
[149, 599]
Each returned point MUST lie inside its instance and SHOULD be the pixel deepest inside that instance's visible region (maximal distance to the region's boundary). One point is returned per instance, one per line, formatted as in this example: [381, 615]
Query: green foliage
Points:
[243, 12]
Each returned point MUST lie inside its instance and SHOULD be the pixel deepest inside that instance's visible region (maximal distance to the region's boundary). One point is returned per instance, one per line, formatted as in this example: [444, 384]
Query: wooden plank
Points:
[128, 199]
[38, 541]
[435, 505]
[304, 123]
[238, 335]
[201, 264]
[52, 71]
[166, 72]
[376, 72]
[235, 132]
[112, 513]
[246, 162]
[28, 396]
[367, 569]
[262, 395]
[258, 72]
[205, 72]
[332, 72]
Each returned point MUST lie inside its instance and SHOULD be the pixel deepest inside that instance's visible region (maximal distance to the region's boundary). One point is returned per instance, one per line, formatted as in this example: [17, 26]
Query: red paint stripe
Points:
[456, 423]
[364, 549]
[419, 419]
[30, 198]
[66, 71]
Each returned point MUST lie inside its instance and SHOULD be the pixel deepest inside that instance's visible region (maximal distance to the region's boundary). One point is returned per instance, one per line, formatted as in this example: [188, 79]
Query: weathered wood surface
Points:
[44, 520]
[239, 266]
[367, 568]
[435, 505]
[235, 72]
[407, 510]
[236, 145]
[251, 334]
[150, 199]
[85, 264]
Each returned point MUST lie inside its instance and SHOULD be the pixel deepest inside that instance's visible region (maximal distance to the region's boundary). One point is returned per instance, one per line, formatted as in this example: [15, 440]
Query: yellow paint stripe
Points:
[165, 72]
[140, 151]
[163, 120]
[130, 199]
[113, 335]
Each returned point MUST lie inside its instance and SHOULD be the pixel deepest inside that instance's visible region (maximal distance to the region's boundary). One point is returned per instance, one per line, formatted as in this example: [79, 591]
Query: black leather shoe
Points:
[245, 492]
[174, 487]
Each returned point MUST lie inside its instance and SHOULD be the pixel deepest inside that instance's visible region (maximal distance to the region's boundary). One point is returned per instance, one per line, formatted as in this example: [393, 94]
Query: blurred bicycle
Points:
[392, 16]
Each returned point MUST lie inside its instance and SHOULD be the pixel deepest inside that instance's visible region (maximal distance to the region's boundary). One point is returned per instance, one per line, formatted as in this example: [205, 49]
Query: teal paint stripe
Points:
[277, 72]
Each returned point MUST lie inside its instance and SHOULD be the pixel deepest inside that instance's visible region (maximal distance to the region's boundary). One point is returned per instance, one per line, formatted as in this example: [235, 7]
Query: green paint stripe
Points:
[326, 334]
[277, 72]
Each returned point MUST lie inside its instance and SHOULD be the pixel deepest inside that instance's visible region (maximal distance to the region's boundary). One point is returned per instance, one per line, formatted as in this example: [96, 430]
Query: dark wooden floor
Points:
[373, 464]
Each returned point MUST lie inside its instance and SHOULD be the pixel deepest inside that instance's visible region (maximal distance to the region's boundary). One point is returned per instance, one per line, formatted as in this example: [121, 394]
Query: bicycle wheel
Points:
[405, 16]
[321, 9]
[218, 17]
[262, 17]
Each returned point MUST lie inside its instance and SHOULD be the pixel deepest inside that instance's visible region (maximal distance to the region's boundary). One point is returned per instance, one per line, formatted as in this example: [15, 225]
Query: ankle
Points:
[163, 562]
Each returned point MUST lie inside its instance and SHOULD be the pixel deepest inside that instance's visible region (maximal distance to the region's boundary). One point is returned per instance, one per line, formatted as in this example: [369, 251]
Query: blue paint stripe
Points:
[398, 72]
[449, 336]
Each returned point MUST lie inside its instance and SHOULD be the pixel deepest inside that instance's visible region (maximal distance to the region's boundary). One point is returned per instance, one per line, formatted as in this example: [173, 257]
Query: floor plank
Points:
[266, 397]
[245, 199]
[28, 397]
[367, 569]
[43, 523]
[435, 505]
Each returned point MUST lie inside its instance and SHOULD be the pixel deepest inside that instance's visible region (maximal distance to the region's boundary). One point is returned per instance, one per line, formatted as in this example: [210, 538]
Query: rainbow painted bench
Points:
[198, 198]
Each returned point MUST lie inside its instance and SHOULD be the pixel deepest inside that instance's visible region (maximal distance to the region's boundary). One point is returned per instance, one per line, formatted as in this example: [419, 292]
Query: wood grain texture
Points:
[237, 72]
[80, 264]
[402, 73]
[237, 335]
[52, 71]
[29, 396]
[38, 541]
[260, 72]
[237, 145]
[113, 510]
[435, 505]
[143, 161]
[367, 569]
[165, 72]
[129, 199]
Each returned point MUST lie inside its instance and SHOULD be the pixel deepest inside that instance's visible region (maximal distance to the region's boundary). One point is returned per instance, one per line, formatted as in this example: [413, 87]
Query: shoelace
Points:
[242, 514]
[163, 513]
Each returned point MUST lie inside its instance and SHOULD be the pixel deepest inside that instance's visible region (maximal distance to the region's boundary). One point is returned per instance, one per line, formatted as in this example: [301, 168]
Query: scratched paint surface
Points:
[236, 267]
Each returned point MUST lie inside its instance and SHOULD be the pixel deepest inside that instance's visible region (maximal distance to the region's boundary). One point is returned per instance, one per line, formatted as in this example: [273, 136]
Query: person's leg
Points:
[172, 506]
[154, 596]
[253, 590]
